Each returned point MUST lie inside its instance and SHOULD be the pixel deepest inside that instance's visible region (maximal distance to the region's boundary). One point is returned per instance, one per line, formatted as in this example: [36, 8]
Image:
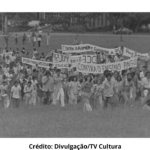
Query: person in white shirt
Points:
[108, 89]
[29, 37]
[16, 94]
[142, 73]
[58, 89]
[34, 40]
[35, 52]
[73, 91]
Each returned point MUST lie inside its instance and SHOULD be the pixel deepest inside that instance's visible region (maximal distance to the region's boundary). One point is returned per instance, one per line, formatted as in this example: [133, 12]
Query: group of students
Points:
[32, 85]
[30, 37]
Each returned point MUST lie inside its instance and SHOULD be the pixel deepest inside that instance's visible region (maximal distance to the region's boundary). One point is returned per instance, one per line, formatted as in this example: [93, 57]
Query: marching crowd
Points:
[32, 85]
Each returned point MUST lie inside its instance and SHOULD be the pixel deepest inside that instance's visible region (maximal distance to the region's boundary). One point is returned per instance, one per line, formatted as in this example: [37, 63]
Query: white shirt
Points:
[15, 70]
[142, 75]
[108, 87]
[145, 83]
[15, 90]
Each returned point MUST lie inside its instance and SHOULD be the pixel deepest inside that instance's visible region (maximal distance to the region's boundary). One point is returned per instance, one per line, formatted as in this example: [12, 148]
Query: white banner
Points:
[109, 51]
[77, 48]
[131, 54]
[128, 52]
[61, 58]
[61, 65]
[32, 62]
[88, 47]
[100, 68]
[65, 60]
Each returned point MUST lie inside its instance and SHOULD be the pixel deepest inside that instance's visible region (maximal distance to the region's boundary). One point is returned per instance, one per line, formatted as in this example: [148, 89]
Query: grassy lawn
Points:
[71, 121]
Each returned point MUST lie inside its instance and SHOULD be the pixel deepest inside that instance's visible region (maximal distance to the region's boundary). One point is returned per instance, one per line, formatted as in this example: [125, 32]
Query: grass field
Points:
[71, 121]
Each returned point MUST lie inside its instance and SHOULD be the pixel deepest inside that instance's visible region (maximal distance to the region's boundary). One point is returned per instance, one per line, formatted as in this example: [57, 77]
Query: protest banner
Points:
[61, 65]
[88, 47]
[61, 58]
[110, 51]
[73, 60]
[128, 52]
[144, 56]
[131, 54]
[100, 68]
[77, 48]
[32, 62]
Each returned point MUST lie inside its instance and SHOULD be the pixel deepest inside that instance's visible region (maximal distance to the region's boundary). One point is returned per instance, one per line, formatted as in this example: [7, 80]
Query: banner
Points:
[73, 60]
[61, 65]
[100, 68]
[143, 56]
[88, 47]
[32, 62]
[109, 51]
[131, 54]
[61, 58]
[128, 53]
[77, 48]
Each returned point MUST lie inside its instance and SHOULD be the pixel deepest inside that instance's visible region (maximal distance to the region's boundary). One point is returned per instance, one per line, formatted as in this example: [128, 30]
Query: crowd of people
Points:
[33, 85]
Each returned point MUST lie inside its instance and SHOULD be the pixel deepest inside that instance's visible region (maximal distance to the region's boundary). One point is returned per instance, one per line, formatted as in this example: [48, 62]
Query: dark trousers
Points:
[107, 101]
[16, 102]
[47, 96]
[34, 43]
[39, 43]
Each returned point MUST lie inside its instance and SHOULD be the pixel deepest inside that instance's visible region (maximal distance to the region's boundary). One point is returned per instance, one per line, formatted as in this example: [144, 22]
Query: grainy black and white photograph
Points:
[74, 74]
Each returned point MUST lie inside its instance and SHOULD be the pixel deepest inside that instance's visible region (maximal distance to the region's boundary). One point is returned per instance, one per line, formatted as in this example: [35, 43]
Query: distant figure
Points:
[39, 40]
[24, 39]
[75, 42]
[48, 38]
[16, 39]
[6, 38]
[29, 37]
[81, 42]
[34, 40]
[35, 52]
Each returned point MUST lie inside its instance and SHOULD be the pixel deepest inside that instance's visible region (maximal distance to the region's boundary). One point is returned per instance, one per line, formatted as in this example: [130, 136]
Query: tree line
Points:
[131, 20]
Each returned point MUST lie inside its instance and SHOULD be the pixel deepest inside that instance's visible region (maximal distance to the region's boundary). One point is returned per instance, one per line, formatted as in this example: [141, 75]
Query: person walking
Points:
[48, 38]
[24, 39]
[29, 37]
[16, 94]
[16, 39]
[39, 40]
